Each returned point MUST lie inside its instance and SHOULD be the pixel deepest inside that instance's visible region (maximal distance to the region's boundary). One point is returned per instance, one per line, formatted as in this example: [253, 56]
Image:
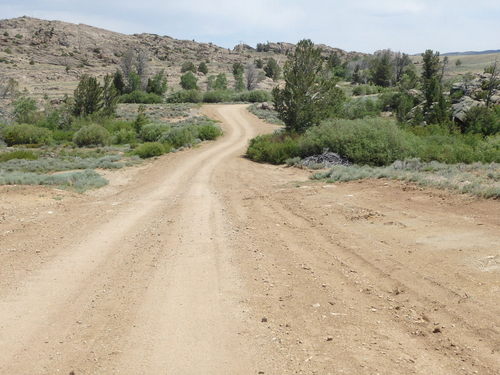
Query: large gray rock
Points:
[460, 109]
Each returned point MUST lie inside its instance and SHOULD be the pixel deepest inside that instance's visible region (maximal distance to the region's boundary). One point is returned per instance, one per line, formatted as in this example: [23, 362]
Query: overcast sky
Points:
[358, 25]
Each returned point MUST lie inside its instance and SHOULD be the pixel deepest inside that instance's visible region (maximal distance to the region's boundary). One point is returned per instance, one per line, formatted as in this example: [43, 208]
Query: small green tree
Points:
[492, 84]
[436, 107]
[109, 96]
[158, 84]
[25, 110]
[458, 63]
[189, 81]
[119, 82]
[356, 75]
[272, 69]
[87, 96]
[310, 93]
[203, 68]
[382, 69]
[238, 69]
[259, 63]
[188, 66]
[141, 119]
[220, 82]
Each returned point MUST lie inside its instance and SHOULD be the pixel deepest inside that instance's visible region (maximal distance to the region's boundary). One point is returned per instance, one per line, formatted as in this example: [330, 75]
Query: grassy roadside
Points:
[478, 179]
[38, 155]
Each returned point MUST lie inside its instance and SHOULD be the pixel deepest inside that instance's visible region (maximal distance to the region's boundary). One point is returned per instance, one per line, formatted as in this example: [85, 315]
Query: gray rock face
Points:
[460, 109]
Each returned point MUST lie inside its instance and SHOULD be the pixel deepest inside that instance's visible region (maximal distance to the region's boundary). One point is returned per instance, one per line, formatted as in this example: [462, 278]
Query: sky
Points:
[410, 26]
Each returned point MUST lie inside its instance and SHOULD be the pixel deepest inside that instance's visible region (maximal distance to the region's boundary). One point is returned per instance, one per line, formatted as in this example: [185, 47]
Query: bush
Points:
[188, 66]
[151, 149]
[20, 154]
[218, 96]
[366, 90]
[153, 132]
[208, 132]
[189, 81]
[361, 108]
[180, 137]
[185, 96]
[20, 134]
[273, 148]
[124, 136]
[378, 142]
[141, 97]
[91, 135]
[25, 110]
[370, 141]
[256, 96]
[482, 120]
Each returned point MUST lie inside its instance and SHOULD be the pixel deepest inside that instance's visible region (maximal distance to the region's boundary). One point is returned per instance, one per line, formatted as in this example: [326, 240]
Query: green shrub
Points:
[124, 136]
[361, 108]
[256, 96]
[180, 137]
[185, 96]
[273, 148]
[19, 154]
[91, 135]
[151, 149]
[217, 96]
[483, 120]
[188, 66]
[370, 141]
[61, 136]
[141, 97]
[208, 132]
[366, 90]
[25, 110]
[153, 132]
[20, 134]
[189, 81]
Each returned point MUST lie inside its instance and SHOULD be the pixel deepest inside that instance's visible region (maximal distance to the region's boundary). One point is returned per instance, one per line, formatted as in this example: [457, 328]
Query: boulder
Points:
[460, 109]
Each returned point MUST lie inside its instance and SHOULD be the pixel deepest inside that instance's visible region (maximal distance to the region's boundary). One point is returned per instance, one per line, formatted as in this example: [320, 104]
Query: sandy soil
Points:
[202, 262]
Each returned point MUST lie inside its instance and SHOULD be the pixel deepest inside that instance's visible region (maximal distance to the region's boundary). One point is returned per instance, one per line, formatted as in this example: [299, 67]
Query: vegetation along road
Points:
[202, 262]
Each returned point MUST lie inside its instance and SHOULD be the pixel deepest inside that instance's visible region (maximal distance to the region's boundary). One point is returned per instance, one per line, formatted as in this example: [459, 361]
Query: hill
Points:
[48, 57]
[467, 53]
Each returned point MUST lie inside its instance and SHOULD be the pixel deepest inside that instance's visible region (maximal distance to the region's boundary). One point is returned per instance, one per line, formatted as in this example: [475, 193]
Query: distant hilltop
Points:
[471, 53]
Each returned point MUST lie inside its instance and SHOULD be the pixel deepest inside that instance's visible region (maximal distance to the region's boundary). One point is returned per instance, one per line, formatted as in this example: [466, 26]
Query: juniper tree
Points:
[87, 96]
[272, 69]
[310, 94]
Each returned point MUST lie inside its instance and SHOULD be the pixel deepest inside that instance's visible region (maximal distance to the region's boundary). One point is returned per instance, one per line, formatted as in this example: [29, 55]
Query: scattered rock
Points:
[264, 320]
[325, 160]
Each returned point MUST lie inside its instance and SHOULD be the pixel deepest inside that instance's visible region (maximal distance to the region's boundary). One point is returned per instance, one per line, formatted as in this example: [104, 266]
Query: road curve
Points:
[149, 288]
[202, 262]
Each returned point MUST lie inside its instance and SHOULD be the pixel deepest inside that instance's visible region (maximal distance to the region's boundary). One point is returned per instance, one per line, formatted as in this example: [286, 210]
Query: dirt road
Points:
[202, 262]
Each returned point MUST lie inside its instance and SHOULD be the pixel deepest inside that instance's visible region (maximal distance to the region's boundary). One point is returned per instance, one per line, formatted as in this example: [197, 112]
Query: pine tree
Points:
[310, 93]
[87, 96]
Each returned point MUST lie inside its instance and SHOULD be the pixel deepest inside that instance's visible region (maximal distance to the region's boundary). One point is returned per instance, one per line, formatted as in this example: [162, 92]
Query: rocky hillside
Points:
[47, 57]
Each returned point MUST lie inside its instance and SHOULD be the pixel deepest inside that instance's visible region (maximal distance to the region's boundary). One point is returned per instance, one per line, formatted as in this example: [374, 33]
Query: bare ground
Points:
[202, 262]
